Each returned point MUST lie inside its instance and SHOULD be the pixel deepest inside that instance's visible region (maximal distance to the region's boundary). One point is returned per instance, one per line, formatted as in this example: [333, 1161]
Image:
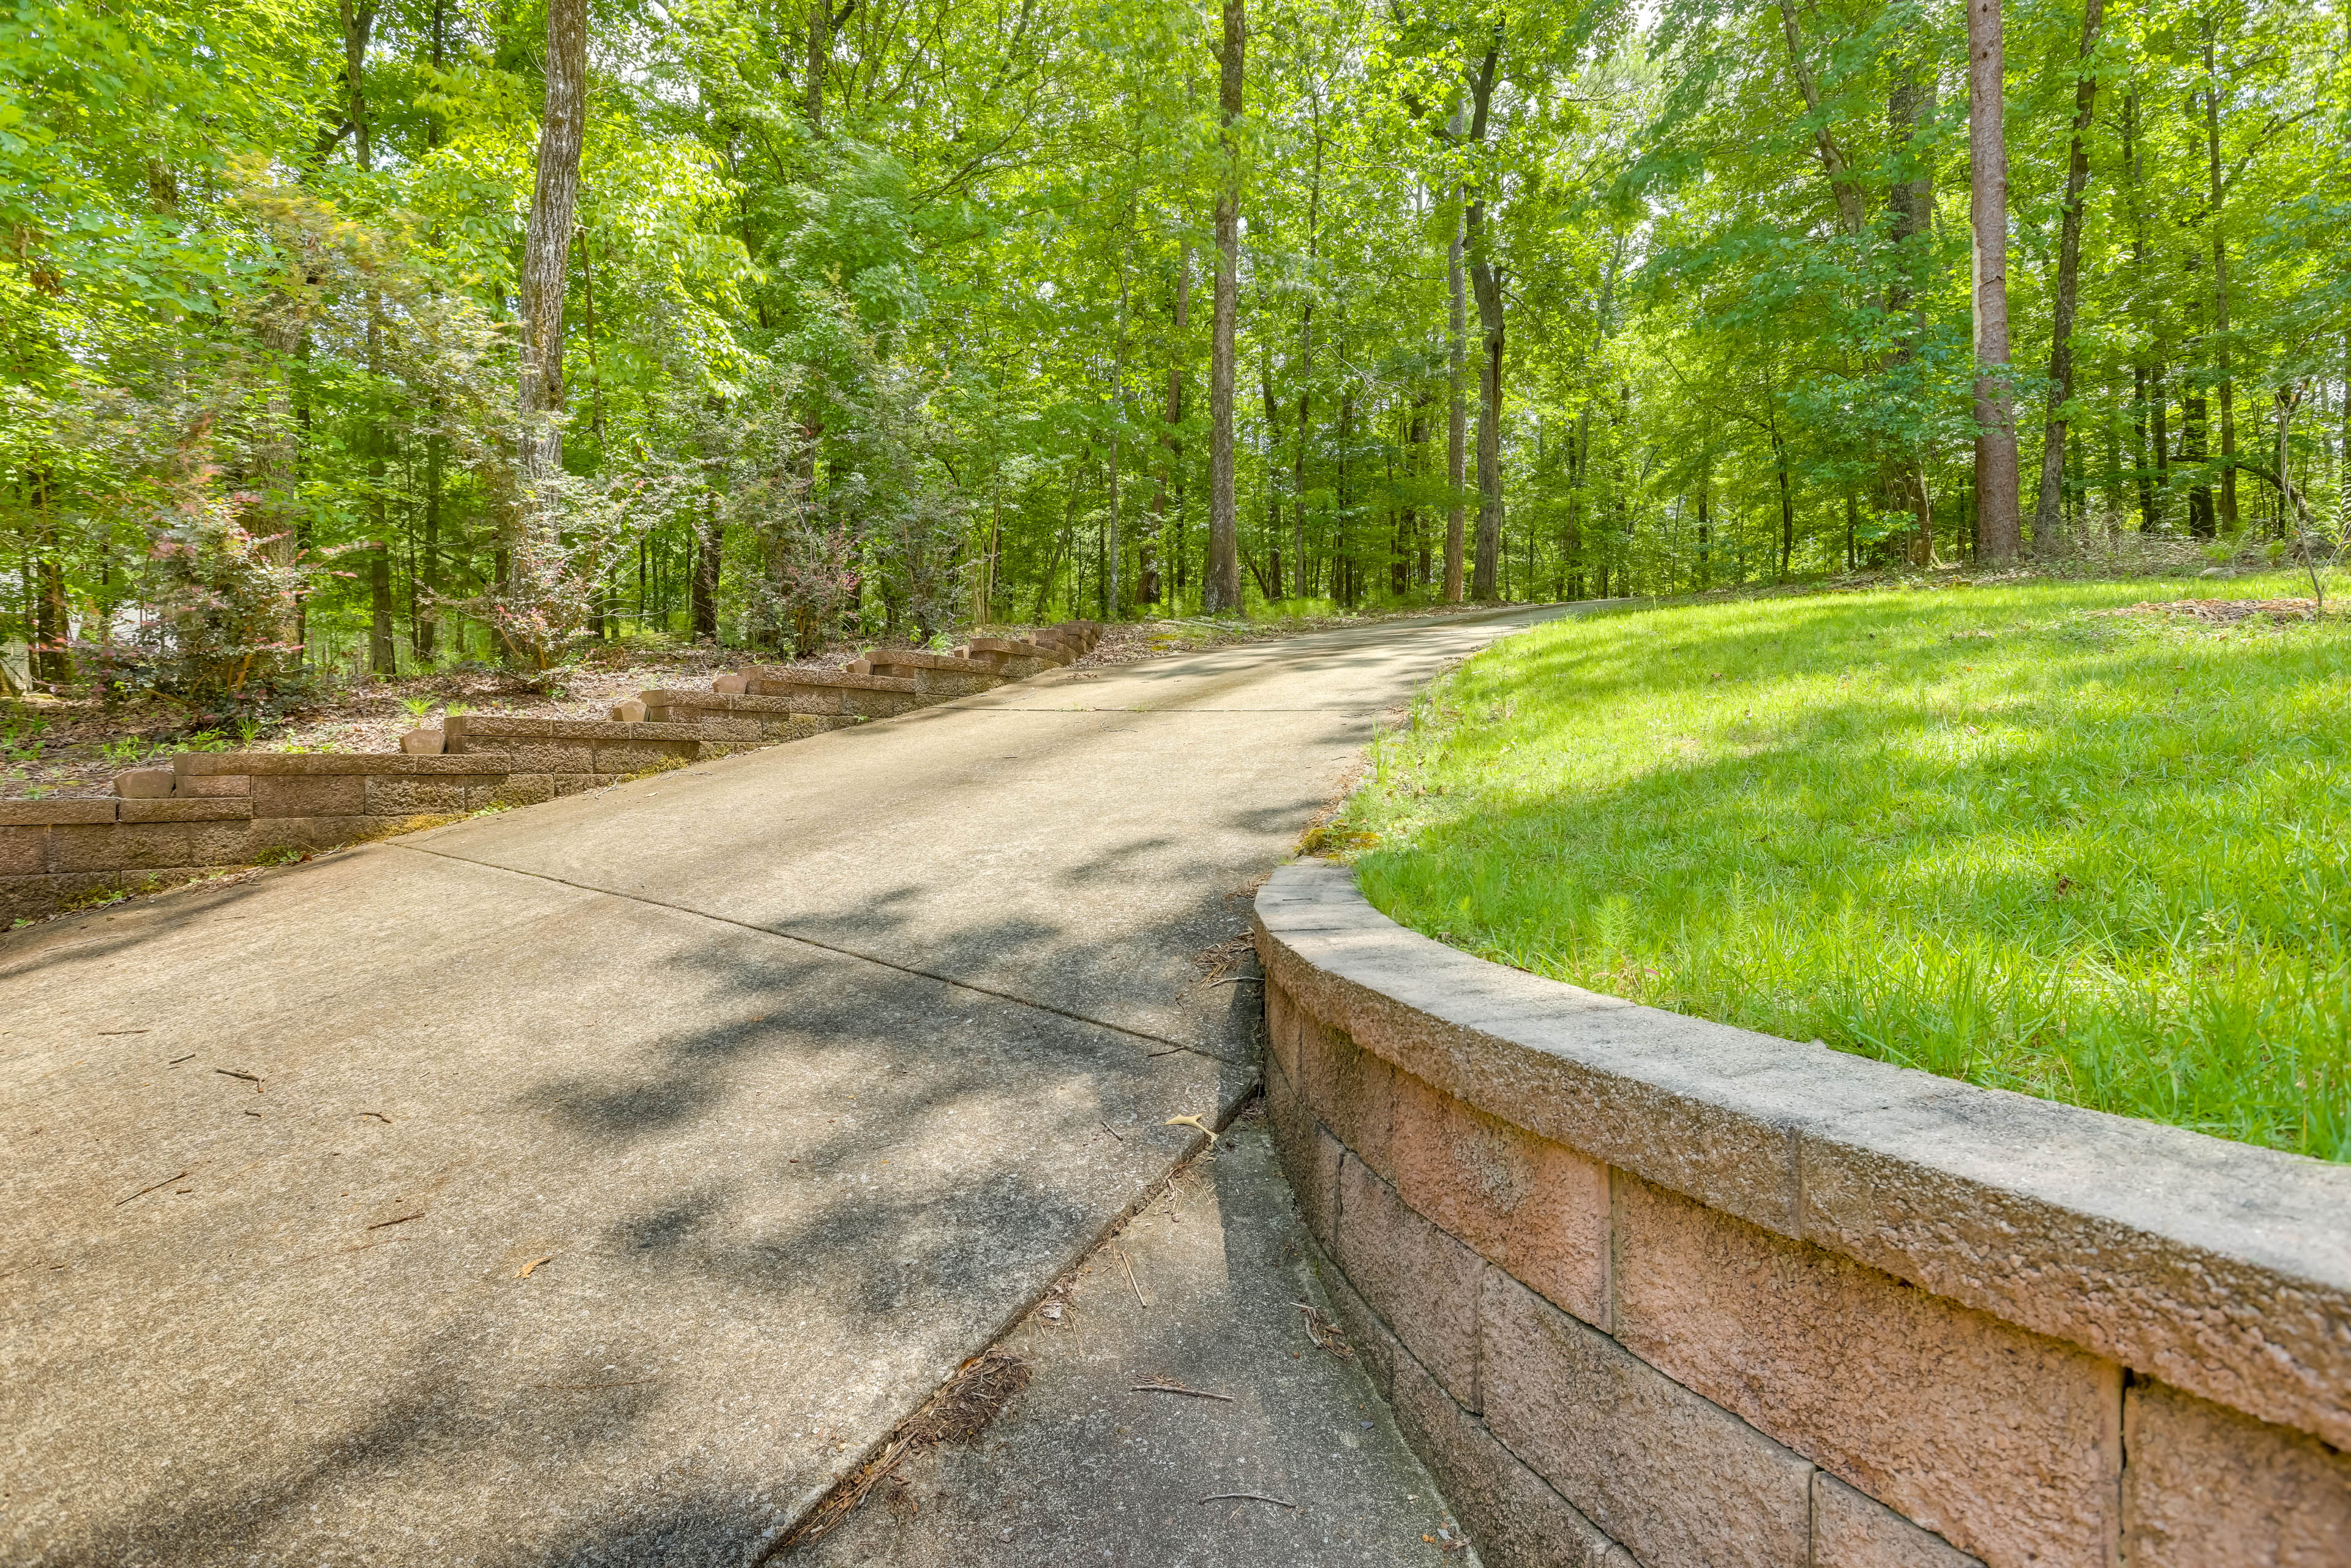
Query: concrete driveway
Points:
[599, 1182]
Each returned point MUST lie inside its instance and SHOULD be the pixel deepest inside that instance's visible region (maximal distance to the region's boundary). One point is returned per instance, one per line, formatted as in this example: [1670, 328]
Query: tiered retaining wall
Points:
[213, 811]
[1648, 1289]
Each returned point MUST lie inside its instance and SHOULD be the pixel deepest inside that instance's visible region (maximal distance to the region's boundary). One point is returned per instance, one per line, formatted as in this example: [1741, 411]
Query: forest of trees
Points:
[393, 334]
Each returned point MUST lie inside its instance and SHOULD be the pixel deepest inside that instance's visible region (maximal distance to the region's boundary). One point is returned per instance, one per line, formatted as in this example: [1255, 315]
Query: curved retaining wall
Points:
[1645, 1289]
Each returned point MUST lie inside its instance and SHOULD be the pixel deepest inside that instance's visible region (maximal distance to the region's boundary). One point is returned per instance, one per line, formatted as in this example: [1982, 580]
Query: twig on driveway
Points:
[1169, 1386]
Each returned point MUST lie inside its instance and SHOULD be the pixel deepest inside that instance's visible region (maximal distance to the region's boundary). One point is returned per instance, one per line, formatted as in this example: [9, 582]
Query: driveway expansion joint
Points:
[839, 951]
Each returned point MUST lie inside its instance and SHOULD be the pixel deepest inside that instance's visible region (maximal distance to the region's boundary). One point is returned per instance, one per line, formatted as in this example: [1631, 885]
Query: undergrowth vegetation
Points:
[2026, 836]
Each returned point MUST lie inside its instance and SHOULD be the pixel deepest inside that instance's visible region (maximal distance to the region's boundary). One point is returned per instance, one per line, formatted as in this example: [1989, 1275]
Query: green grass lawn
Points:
[1982, 830]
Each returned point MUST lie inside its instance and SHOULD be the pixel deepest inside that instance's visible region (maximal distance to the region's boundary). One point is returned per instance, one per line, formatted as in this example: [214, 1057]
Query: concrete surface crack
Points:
[837, 950]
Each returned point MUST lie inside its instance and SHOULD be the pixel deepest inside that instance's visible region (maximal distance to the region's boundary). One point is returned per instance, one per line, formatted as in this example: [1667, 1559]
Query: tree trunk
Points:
[2048, 527]
[428, 594]
[1168, 443]
[1485, 283]
[1705, 522]
[1113, 594]
[1457, 427]
[358, 25]
[1297, 458]
[547, 248]
[708, 540]
[1787, 505]
[1842, 187]
[1221, 587]
[2228, 520]
[1909, 103]
[1999, 528]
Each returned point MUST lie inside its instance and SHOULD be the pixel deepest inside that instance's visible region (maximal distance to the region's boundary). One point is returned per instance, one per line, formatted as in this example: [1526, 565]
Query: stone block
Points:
[195, 808]
[881, 704]
[1281, 1029]
[629, 710]
[23, 849]
[1314, 1182]
[1423, 1283]
[137, 846]
[1292, 1122]
[392, 796]
[1374, 1348]
[101, 847]
[1350, 1090]
[1673, 1476]
[47, 813]
[732, 686]
[2209, 1487]
[214, 786]
[29, 897]
[424, 742]
[1852, 1530]
[533, 755]
[1531, 1206]
[144, 783]
[634, 756]
[470, 727]
[573, 783]
[522, 789]
[1511, 1514]
[2004, 1442]
[335, 795]
[272, 833]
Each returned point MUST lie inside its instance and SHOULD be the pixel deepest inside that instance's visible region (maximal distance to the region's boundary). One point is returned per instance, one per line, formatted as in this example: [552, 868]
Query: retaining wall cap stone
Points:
[314, 765]
[789, 677]
[499, 724]
[911, 659]
[188, 809]
[54, 813]
[2221, 1267]
[498, 729]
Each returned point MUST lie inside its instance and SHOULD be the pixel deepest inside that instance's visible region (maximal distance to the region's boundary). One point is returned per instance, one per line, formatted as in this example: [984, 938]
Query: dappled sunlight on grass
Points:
[1984, 831]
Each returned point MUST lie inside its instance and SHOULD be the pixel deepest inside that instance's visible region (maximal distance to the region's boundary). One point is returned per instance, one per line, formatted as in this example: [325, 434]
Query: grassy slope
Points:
[1979, 831]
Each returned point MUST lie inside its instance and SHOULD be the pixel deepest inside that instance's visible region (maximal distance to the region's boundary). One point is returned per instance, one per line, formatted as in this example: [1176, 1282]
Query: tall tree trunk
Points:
[1787, 504]
[1306, 353]
[822, 23]
[1456, 425]
[547, 248]
[358, 25]
[1168, 443]
[2343, 471]
[1706, 522]
[1268, 572]
[1999, 528]
[2048, 527]
[1909, 103]
[428, 596]
[2220, 287]
[1221, 585]
[1487, 280]
[708, 541]
[1112, 594]
[1485, 283]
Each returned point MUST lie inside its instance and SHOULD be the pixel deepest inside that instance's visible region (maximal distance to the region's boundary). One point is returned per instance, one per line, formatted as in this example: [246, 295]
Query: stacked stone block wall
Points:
[214, 811]
[1648, 1290]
